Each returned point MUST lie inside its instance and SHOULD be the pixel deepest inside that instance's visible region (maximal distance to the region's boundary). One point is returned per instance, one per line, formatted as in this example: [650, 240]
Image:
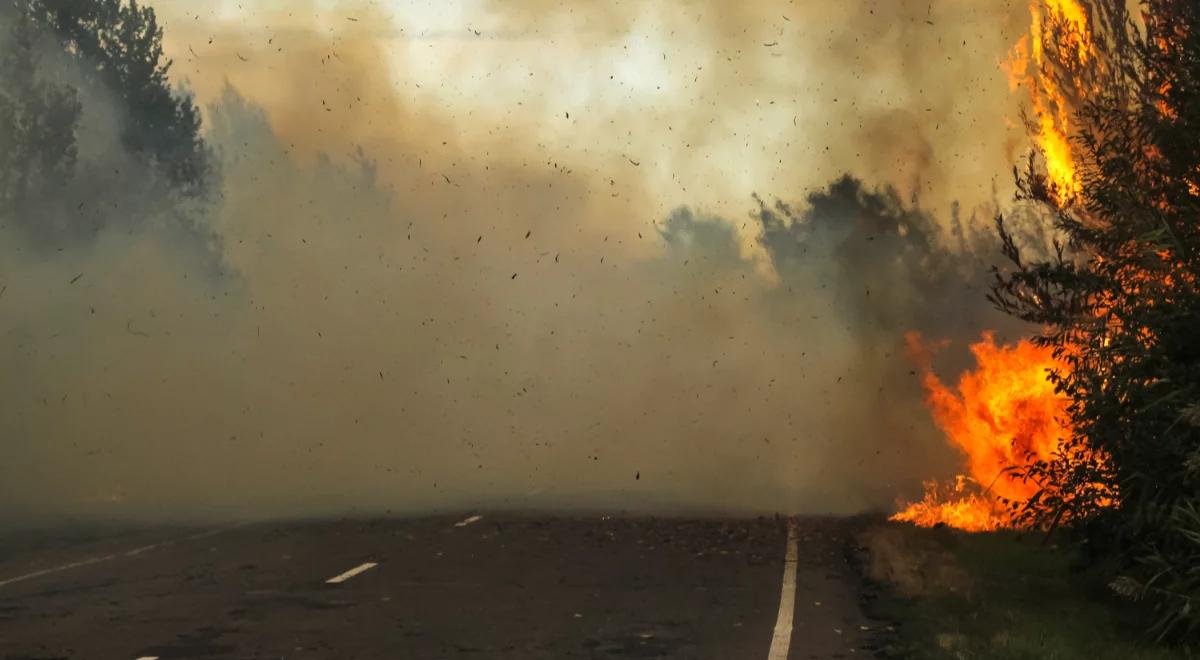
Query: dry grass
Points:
[913, 565]
[959, 596]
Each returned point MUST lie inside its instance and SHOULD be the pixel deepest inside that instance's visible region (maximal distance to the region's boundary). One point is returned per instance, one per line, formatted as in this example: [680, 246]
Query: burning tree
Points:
[1116, 127]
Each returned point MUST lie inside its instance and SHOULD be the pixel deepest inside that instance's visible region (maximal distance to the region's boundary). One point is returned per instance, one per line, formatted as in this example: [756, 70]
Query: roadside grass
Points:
[950, 595]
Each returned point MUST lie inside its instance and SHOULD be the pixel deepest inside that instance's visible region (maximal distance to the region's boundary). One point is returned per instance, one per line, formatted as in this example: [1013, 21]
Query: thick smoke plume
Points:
[387, 302]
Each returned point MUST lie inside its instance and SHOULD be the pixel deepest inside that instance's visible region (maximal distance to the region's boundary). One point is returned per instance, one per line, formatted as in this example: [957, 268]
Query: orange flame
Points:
[1006, 411]
[1001, 414]
[957, 507]
[1027, 68]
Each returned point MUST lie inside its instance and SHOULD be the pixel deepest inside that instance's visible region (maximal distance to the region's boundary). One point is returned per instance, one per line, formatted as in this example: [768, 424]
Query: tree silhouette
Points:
[120, 43]
[37, 123]
[59, 59]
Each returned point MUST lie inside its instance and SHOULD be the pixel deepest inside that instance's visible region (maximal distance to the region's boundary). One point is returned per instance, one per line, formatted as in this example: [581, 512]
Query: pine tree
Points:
[120, 43]
[111, 53]
[37, 123]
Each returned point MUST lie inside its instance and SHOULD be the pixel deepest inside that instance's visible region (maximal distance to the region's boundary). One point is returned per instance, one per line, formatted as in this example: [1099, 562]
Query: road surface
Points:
[441, 587]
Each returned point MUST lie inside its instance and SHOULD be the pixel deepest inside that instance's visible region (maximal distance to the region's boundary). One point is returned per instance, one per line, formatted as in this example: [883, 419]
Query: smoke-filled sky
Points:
[714, 100]
[523, 254]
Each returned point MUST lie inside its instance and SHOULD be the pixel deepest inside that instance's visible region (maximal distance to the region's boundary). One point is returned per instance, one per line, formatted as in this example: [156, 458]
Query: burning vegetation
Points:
[1104, 433]
[1059, 38]
[999, 416]
[1007, 412]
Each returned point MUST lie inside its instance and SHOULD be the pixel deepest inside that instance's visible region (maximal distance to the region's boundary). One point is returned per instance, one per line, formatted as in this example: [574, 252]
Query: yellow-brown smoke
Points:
[451, 274]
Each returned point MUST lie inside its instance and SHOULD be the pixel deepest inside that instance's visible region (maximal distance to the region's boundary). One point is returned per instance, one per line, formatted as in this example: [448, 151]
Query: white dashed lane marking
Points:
[782, 640]
[362, 568]
[468, 521]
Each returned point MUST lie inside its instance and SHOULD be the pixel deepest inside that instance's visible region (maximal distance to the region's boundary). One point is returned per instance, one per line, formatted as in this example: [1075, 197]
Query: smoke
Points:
[399, 299]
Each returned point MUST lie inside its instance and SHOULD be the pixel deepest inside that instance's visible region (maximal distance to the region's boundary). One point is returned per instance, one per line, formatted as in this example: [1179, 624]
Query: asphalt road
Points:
[495, 587]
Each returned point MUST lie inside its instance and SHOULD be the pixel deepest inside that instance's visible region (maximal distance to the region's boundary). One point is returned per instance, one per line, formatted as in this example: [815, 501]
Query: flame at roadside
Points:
[956, 505]
[1004, 413]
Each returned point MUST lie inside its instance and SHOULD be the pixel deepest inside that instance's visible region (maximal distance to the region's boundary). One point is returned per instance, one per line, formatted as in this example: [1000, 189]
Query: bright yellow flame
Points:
[1073, 15]
[1060, 163]
[956, 508]
[1026, 67]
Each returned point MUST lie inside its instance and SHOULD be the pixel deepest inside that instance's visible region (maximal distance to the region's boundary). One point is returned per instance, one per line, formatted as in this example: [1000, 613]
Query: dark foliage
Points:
[60, 58]
[1120, 304]
[37, 123]
[856, 240]
[121, 42]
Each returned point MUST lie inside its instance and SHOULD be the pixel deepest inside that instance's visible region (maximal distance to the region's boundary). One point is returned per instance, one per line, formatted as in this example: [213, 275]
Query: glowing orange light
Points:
[999, 415]
[1026, 68]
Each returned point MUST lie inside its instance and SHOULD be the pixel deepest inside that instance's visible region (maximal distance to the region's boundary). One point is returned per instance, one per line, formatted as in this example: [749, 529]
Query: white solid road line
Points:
[362, 568]
[83, 562]
[787, 599]
[148, 657]
[56, 569]
[129, 553]
[468, 521]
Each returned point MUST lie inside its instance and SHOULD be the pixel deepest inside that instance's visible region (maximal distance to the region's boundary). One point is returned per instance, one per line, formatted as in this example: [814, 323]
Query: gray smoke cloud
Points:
[361, 320]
